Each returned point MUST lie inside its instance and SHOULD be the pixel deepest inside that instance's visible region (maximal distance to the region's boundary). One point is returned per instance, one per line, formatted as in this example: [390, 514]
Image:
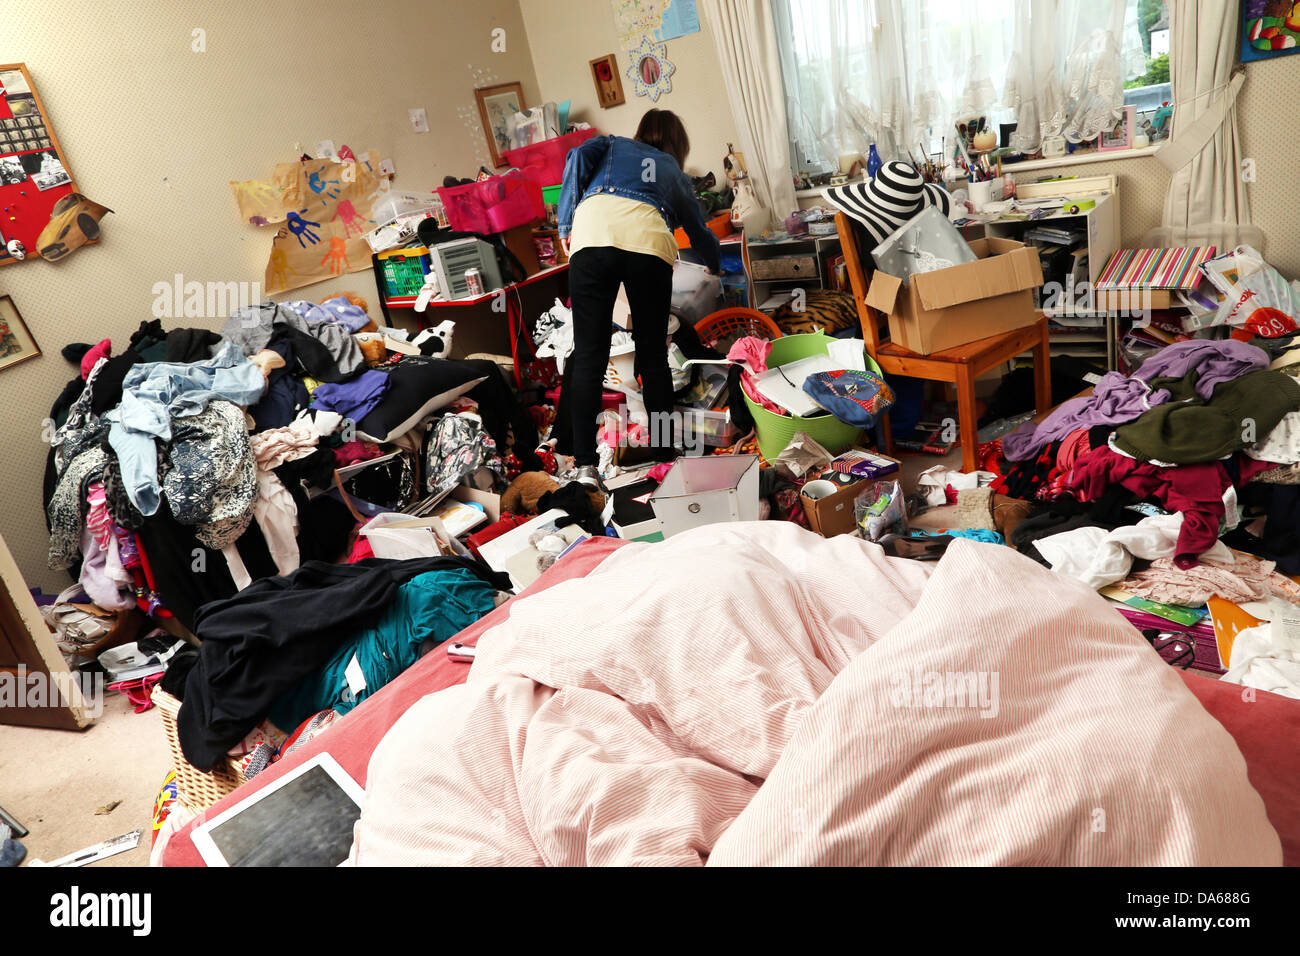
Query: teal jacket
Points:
[430, 607]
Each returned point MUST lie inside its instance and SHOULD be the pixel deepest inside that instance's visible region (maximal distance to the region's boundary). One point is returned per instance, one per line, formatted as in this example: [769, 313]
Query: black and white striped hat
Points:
[883, 204]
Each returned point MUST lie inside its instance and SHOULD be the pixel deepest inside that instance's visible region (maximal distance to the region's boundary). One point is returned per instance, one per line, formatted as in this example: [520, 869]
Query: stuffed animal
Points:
[522, 495]
[525, 494]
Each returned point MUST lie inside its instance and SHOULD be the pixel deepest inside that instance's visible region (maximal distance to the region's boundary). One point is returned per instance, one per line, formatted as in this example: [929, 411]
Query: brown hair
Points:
[663, 130]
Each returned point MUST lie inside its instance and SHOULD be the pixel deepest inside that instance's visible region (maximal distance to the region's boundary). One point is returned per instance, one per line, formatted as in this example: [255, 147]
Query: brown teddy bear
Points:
[522, 496]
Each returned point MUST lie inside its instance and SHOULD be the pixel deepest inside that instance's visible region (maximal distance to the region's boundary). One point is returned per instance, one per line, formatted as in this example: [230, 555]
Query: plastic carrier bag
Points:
[880, 509]
[1256, 299]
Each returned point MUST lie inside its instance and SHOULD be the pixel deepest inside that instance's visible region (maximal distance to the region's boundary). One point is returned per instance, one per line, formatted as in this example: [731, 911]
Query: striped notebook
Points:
[1154, 268]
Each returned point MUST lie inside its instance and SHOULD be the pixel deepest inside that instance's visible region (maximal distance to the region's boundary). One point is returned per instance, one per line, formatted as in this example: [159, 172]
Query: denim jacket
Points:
[625, 167]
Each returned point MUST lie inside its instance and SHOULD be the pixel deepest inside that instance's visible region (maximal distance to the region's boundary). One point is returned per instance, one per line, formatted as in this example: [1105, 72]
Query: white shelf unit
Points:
[1101, 222]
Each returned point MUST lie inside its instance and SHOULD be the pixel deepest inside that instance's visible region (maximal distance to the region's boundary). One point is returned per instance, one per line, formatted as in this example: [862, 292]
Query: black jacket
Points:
[269, 636]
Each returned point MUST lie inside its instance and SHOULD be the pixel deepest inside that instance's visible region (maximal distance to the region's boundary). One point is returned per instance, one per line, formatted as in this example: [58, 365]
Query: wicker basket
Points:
[196, 789]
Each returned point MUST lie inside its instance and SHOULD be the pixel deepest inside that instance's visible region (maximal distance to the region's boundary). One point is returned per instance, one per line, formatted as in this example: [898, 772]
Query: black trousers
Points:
[595, 273]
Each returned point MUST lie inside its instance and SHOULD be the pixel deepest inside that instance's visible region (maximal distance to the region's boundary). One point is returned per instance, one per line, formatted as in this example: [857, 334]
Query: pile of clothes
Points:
[298, 648]
[1174, 486]
[191, 464]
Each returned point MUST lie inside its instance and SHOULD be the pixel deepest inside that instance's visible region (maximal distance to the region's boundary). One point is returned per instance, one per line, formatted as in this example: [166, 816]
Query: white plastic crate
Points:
[707, 490]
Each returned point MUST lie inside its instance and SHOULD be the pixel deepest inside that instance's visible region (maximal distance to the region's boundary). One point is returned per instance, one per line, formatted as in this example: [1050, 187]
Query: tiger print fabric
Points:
[823, 310]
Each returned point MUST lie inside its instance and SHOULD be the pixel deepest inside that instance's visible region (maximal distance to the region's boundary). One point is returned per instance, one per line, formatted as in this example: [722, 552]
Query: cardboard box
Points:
[833, 514]
[949, 307]
[490, 501]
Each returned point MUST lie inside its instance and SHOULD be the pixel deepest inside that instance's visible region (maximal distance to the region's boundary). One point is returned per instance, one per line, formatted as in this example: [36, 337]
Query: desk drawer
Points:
[785, 267]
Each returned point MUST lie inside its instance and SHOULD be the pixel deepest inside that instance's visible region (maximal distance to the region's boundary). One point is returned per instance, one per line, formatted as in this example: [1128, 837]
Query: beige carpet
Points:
[53, 781]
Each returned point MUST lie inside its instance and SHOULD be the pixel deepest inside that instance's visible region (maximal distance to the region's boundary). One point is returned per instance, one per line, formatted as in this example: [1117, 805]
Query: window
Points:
[902, 73]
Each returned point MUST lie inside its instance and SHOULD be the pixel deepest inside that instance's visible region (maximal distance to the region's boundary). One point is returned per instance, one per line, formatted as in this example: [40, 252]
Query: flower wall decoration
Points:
[650, 69]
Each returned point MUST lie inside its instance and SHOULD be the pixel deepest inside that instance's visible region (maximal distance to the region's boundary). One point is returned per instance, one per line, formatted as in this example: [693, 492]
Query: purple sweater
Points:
[1216, 362]
[1118, 400]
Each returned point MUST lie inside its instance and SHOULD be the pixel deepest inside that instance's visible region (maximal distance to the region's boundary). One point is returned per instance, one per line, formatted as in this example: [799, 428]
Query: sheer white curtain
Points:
[1102, 48]
[901, 73]
[745, 38]
[859, 72]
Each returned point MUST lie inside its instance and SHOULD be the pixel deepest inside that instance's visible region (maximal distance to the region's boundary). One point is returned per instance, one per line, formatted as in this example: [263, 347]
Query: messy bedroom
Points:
[744, 433]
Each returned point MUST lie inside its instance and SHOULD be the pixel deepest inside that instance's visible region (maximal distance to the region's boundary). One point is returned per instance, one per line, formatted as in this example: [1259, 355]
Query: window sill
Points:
[1029, 165]
[1079, 159]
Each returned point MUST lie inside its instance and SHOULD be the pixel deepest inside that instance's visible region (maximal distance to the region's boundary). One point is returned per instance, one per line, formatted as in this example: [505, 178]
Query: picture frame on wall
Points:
[16, 341]
[497, 106]
[609, 85]
[1268, 30]
[1119, 136]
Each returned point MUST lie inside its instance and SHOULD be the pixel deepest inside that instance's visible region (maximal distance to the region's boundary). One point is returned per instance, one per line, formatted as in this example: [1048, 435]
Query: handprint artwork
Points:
[323, 208]
[327, 187]
[300, 227]
[351, 218]
[280, 270]
[337, 257]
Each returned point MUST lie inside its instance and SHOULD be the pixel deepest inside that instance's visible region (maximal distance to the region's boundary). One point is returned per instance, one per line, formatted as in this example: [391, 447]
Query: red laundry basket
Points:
[493, 205]
[544, 162]
[720, 329]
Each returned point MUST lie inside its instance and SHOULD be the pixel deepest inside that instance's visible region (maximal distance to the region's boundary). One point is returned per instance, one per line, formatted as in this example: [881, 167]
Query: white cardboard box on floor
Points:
[707, 490]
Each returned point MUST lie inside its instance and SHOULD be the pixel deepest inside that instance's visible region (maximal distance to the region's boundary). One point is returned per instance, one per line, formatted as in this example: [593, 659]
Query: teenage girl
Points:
[619, 204]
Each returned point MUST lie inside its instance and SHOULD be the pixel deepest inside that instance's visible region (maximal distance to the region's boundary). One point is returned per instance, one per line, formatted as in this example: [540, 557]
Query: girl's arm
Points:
[687, 211]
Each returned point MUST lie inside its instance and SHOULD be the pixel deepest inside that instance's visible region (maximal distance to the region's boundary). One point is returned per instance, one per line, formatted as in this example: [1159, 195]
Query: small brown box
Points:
[784, 267]
[833, 514]
[519, 240]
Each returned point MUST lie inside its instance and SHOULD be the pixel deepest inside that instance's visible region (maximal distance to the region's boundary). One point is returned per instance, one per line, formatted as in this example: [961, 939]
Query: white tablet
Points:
[303, 819]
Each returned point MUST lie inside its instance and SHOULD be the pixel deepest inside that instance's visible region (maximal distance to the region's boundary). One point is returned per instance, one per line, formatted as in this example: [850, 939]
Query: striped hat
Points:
[883, 204]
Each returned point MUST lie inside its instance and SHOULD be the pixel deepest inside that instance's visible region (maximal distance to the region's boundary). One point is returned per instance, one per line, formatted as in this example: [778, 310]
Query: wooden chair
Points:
[959, 366]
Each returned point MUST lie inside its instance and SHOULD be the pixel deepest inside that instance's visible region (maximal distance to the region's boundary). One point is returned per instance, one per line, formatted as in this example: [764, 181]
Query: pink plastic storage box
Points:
[544, 162]
[493, 205]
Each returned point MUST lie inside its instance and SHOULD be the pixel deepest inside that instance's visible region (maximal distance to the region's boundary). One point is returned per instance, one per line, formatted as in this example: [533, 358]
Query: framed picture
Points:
[609, 85]
[497, 106]
[16, 343]
[1119, 136]
[1268, 29]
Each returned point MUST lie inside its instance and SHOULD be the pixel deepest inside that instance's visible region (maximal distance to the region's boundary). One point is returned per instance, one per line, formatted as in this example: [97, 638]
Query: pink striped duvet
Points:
[752, 694]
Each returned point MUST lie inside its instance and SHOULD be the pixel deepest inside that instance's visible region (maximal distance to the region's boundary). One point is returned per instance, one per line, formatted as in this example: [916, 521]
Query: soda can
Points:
[474, 281]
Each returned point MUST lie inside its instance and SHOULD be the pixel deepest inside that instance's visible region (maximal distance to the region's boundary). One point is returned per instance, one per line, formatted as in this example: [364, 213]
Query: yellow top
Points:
[629, 224]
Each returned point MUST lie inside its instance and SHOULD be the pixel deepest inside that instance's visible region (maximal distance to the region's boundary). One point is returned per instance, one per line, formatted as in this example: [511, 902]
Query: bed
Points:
[790, 747]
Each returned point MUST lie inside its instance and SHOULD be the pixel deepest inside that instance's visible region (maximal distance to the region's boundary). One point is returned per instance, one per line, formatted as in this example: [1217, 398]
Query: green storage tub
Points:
[775, 431]
[551, 195]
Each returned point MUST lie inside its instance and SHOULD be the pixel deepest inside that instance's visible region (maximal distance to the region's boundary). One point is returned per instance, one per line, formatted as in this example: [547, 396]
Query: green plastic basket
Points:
[775, 431]
[551, 195]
